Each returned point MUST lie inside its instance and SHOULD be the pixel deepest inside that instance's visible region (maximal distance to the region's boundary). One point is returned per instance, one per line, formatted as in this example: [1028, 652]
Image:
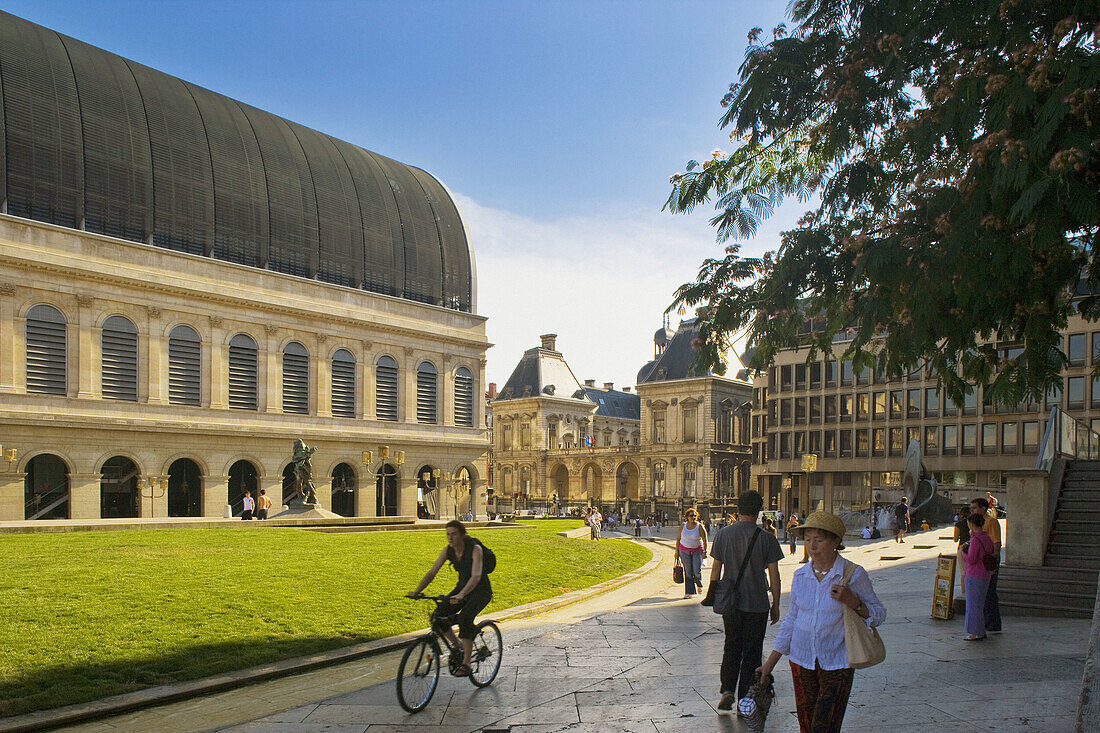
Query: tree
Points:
[951, 154]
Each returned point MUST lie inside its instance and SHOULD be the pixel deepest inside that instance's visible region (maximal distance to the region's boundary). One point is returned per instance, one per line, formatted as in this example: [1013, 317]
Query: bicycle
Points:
[418, 673]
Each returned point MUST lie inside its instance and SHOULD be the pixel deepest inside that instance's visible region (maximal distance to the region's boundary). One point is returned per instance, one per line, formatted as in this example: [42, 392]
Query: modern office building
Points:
[859, 425]
[188, 284]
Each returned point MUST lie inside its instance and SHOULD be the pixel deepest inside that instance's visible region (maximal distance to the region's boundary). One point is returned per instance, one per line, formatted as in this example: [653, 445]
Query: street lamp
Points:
[156, 485]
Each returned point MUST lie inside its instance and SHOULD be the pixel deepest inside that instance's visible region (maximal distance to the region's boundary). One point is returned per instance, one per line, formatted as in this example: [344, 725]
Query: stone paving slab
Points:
[642, 658]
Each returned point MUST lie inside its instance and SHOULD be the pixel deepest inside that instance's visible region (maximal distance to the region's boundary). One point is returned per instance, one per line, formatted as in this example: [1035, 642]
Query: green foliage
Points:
[92, 614]
[953, 149]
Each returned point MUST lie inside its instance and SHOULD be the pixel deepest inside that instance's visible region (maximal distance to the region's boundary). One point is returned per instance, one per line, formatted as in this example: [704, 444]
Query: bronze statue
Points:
[303, 473]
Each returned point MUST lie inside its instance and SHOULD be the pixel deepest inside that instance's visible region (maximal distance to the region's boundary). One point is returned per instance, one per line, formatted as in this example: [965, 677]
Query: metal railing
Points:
[1066, 437]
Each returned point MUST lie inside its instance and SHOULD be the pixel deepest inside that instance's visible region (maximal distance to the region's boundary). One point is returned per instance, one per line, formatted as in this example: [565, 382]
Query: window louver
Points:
[464, 397]
[385, 401]
[119, 359]
[184, 367]
[295, 379]
[343, 384]
[242, 373]
[426, 393]
[46, 351]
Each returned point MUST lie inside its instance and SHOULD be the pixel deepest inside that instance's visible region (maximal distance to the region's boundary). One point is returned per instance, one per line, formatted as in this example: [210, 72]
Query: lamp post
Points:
[154, 484]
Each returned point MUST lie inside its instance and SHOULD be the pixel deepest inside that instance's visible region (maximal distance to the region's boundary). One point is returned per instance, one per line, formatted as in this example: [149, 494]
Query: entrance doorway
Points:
[118, 490]
[343, 490]
[184, 489]
[46, 488]
[386, 491]
[242, 478]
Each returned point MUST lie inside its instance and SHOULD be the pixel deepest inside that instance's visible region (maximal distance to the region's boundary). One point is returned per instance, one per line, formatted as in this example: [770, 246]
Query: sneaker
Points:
[725, 705]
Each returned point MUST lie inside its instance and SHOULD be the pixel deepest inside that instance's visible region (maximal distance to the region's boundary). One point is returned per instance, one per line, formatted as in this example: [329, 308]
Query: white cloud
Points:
[599, 281]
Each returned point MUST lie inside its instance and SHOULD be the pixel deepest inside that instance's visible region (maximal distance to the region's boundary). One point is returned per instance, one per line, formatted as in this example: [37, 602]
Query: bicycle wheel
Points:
[487, 652]
[418, 674]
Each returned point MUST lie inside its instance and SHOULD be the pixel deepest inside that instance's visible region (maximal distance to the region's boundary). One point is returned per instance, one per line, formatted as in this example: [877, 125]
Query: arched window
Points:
[343, 384]
[119, 359]
[385, 388]
[659, 479]
[46, 350]
[689, 479]
[295, 379]
[242, 372]
[426, 411]
[184, 366]
[464, 397]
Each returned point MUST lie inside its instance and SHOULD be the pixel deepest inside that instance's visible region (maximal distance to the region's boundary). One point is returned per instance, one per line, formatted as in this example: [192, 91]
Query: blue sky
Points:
[555, 124]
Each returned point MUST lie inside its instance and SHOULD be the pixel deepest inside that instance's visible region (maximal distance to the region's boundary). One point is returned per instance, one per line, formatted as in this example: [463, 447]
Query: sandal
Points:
[973, 638]
[461, 670]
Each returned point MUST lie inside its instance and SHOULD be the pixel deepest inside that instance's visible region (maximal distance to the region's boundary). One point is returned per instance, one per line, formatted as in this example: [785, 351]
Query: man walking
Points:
[743, 543]
[901, 514]
[993, 529]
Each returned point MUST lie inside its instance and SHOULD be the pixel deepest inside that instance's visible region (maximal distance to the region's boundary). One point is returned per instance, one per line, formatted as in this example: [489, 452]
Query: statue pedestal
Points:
[298, 510]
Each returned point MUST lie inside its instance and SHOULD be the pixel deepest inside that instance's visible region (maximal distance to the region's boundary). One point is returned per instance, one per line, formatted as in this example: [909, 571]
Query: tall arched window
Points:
[343, 384]
[464, 397]
[689, 479]
[46, 350]
[184, 366]
[295, 379]
[242, 372]
[426, 400]
[385, 388]
[119, 359]
[659, 478]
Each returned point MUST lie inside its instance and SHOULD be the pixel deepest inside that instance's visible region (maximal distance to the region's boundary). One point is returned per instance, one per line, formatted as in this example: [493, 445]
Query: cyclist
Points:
[471, 594]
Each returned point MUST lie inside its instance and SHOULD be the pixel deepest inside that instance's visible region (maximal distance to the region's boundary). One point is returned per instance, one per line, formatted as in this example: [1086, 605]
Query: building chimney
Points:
[549, 341]
[590, 383]
[492, 390]
[609, 386]
[626, 389]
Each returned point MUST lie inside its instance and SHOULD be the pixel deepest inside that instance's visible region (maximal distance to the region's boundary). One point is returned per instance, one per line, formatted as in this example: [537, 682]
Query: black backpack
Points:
[488, 559]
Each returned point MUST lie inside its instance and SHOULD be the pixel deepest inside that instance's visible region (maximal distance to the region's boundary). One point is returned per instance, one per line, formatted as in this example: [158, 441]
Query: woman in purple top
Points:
[977, 577]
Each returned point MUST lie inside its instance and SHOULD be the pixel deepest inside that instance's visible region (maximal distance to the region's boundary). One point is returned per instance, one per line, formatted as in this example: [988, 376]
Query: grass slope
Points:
[92, 614]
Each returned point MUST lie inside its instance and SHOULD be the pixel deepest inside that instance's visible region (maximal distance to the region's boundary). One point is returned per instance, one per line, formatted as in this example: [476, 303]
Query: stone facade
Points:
[94, 454]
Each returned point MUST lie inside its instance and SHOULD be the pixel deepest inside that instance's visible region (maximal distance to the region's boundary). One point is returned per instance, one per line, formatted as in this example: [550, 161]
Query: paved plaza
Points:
[641, 658]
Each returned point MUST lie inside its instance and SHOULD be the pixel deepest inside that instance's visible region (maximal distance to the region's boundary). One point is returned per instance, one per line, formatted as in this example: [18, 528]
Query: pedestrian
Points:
[769, 526]
[637, 526]
[249, 505]
[779, 523]
[265, 504]
[743, 544]
[977, 577]
[866, 532]
[691, 548]
[812, 632]
[649, 527]
[991, 527]
[792, 524]
[901, 514]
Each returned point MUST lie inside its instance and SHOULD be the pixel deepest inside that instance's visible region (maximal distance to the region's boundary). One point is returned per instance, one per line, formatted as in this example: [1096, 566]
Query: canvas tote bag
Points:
[864, 645]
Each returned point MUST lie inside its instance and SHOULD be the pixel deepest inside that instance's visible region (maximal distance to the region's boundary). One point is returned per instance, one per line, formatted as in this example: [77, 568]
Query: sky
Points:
[554, 124]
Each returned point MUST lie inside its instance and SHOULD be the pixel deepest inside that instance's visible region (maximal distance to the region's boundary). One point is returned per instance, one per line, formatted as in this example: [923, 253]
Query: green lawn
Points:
[92, 614]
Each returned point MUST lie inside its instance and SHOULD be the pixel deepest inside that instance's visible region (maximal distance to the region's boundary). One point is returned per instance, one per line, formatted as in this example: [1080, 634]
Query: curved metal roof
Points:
[93, 141]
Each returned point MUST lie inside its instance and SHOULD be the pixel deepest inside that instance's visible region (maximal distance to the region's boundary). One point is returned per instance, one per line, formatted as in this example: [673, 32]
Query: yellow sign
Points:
[809, 462]
[944, 589]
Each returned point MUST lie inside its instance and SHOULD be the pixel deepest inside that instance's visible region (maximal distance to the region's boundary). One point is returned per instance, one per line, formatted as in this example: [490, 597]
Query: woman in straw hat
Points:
[812, 631]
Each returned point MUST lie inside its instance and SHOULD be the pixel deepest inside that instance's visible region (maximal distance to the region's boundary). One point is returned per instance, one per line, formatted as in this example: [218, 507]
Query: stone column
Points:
[1028, 529]
[84, 495]
[320, 372]
[366, 493]
[12, 350]
[12, 496]
[215, 495]
[406, 493]
[407, 406]
[155, 347]
[271, 385]
[155, 505]
[447, 393]
[88, 361]
[215, 358]
[273, 485]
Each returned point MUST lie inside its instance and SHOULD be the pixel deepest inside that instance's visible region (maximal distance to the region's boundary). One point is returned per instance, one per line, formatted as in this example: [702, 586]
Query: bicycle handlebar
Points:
[422, 597]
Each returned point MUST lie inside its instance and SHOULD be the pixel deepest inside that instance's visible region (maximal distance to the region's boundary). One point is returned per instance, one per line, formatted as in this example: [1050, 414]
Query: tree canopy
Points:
[949, 157]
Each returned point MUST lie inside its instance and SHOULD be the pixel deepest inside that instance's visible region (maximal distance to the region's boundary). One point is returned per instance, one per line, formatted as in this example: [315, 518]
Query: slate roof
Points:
[675, 362]
[541, 373]
[615, 403]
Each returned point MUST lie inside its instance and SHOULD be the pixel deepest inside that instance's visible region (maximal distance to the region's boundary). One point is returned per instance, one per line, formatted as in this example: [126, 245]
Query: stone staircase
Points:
[1066, 584]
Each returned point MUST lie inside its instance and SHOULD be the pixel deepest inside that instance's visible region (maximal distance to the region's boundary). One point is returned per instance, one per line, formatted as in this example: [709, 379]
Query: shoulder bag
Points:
[726, 594]
[863, 644]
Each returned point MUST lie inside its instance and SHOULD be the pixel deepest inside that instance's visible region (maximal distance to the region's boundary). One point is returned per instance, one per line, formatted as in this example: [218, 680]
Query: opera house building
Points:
[189, 284]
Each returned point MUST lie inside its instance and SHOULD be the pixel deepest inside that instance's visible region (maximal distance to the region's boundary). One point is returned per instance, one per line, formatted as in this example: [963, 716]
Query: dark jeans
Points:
[992, 605]
[744, 649]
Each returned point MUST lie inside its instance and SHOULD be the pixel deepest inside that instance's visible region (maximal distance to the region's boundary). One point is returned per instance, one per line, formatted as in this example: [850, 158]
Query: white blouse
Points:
[813, 628]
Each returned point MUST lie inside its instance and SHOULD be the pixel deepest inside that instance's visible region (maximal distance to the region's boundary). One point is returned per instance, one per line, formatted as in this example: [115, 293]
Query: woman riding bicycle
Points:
[472, 593]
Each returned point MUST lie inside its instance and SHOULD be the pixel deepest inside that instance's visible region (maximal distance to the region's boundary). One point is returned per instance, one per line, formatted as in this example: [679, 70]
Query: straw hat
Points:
[821, 520]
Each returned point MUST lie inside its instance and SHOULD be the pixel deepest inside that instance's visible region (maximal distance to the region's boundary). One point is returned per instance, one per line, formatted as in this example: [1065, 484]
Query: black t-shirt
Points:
[964, 529]
[465, 566]
[901, 511]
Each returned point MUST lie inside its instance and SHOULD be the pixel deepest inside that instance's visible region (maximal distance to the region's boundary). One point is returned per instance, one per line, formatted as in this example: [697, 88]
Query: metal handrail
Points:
[1066, 437]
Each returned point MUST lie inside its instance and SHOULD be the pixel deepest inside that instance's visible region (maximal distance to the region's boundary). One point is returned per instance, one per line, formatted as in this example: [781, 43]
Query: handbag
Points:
[754, 706]
[726, 592]
[677, 573]
[863, 644]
